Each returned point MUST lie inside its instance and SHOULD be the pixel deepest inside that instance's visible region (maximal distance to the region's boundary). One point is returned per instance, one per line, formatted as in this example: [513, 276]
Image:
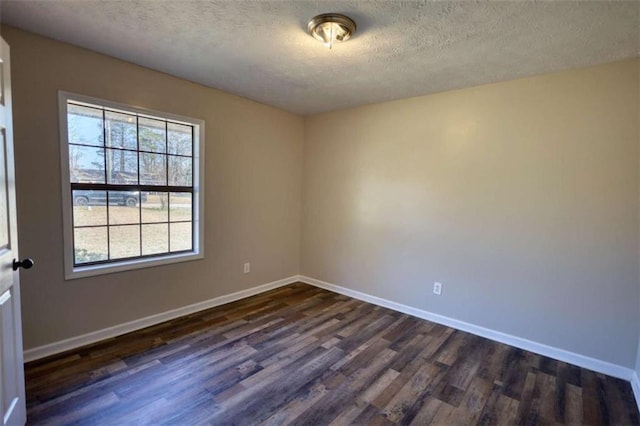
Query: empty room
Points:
[319, 212]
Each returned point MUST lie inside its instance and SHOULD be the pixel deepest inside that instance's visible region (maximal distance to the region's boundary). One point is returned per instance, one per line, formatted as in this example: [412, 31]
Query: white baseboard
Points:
[635, 385]
[117, 330]
[539, 348]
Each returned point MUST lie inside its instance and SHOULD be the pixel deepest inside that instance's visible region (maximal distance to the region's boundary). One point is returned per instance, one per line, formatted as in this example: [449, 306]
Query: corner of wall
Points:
[303, 164]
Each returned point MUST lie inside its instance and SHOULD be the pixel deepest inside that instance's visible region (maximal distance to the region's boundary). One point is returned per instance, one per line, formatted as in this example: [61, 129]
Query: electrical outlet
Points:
[247, 268]
[437, 288]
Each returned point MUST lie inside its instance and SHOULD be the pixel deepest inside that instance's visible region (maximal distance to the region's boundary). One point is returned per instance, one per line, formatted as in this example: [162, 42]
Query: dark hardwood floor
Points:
[303, 355]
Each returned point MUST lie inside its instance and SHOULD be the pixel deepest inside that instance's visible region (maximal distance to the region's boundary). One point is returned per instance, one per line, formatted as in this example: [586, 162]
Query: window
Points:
[132, 183]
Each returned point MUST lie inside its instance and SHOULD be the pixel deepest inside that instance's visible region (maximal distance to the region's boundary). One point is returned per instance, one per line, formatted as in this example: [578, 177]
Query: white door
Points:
[12, 399]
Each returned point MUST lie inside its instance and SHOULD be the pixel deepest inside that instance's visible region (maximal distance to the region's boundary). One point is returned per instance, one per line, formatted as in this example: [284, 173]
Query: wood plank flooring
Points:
[306, 356]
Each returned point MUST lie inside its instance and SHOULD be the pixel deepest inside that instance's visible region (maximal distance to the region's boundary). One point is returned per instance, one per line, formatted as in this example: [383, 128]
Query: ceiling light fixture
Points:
[331, 27]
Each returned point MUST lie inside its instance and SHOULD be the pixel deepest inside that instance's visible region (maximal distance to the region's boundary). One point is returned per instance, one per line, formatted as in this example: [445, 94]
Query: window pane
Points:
[154, 207]
[114, 152]
[122, 166]
[153, 170]
[84, 125]
[89, 208]
[90, 244]
[124, 241]
[180, 171]
[120, 130]
[123, 207]
[181, 234]
[155, 239]
[86, 164]
[180, 139]
[152, 135]
[180, 206]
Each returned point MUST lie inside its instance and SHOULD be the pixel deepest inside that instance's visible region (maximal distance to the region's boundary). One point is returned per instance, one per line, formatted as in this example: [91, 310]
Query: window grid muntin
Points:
[166, 189]
[106, 181]
[115, 148]
[140, 202]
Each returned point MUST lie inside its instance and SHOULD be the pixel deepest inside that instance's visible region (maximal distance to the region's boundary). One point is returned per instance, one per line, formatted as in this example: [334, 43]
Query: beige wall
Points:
[520, 197]
[253, 175]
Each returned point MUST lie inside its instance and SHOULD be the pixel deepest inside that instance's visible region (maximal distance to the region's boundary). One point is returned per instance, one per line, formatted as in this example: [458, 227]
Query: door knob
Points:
[25, 263]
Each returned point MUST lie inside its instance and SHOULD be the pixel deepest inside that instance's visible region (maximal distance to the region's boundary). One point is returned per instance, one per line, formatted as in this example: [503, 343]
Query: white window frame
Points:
[73, 272]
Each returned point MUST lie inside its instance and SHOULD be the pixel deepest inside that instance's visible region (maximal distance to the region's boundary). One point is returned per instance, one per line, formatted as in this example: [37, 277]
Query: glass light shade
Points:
[330, 28]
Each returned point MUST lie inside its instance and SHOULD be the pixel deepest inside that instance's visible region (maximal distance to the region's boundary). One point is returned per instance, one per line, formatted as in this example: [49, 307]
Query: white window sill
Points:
[128, 265]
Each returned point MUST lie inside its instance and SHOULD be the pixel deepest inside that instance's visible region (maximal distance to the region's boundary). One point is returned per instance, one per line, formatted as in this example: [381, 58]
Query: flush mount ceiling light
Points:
[331, 27]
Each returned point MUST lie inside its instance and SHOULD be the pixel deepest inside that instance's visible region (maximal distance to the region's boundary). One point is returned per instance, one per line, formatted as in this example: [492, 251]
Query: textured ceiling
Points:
[260, 49]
